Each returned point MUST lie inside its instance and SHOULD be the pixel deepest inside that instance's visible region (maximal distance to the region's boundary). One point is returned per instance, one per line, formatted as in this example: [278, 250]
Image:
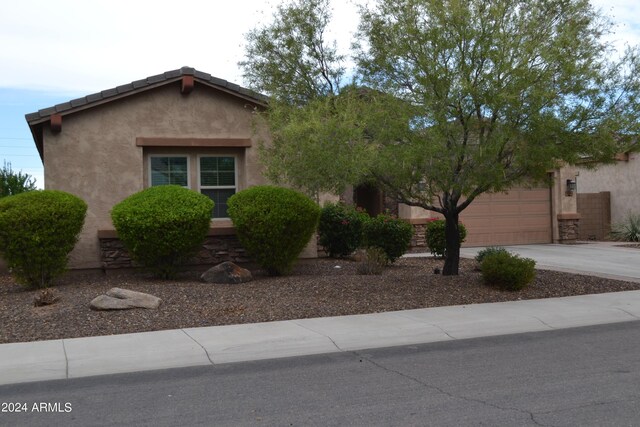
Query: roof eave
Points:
[143, 85]
[44, 115]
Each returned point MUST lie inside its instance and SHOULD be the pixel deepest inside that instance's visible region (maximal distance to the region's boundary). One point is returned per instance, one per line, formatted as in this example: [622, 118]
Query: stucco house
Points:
[186, 127]
[181, 127]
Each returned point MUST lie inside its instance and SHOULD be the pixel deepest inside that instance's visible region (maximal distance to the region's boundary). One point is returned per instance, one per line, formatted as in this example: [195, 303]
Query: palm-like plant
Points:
[627, 230]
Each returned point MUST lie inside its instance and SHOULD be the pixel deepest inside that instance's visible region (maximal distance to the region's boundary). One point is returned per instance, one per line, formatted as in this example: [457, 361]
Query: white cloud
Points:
[625, 15]
[75, 47]
[84, 46]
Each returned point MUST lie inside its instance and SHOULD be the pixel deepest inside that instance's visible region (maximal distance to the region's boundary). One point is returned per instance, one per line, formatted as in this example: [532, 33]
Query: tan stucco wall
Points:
[311, 250]
[96, 158]
[622, 179]
[565, 203]
[414, 212]
[562, 203]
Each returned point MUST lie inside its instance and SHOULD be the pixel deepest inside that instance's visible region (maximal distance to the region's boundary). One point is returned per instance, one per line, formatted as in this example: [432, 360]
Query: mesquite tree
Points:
[451, 99]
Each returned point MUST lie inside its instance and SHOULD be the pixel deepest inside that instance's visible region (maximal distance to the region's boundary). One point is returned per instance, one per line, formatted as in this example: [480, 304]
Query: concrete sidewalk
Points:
[79, 357]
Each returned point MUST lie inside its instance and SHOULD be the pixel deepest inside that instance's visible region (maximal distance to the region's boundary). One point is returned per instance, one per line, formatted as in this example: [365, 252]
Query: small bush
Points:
[374, 263]
[273, 224]
[436, 239]
[163, 226]
[628, 230]
[38, 229]
[340, 229]
[391, 234]
[507, 271]
[491, 250]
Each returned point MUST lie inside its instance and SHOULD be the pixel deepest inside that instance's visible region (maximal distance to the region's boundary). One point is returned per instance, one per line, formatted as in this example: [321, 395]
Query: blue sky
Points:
[16, 143]
[55, 51]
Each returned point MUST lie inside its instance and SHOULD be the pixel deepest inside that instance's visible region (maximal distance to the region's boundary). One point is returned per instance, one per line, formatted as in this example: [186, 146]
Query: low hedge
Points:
[273, 224]
[391, 234]
[490, 250]
[38, 229]
[163, 226]
[340, 229]
[436, 239]
[507, 271]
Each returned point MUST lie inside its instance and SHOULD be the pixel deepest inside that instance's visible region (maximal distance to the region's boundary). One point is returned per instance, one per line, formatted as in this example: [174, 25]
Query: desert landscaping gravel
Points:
[316, 288]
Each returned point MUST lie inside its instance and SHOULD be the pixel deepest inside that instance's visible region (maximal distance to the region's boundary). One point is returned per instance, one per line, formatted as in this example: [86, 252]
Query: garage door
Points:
[518, 217]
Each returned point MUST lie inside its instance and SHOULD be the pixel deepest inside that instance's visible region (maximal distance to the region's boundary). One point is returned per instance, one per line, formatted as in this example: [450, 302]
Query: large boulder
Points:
[123, 299]
[227, 272]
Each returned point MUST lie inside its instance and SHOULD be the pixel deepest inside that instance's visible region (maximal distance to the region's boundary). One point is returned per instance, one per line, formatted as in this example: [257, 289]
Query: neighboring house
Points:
[620, 179]
[188, 128]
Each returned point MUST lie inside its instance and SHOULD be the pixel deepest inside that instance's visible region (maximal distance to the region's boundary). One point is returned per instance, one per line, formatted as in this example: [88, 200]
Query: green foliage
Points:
[273, 224]
[507, 271]
[436, 239]
[463, 98]
[12, 183]
[491, 250]
[38, 229]
[374, 263]
[292, 46]
[628, 230]
[327, 130]
[163, 226]
[391, 234]
[340, 229]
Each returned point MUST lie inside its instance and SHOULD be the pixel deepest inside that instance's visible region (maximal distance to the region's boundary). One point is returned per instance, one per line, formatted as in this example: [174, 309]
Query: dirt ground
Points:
[316, 288]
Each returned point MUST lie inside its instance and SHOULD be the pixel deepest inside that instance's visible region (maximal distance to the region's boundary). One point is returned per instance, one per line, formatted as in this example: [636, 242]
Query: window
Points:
[169, 170]
[218, 181]
[216, 175]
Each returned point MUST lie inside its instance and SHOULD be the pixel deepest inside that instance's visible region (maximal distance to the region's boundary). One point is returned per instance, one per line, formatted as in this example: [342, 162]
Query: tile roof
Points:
[137, 85]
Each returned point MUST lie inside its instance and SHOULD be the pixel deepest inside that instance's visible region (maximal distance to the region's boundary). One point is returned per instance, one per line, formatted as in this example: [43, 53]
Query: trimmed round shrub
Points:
[163, 226]
[391, 234]
[340, 229]
[507, 271]
[273, 224]
[436, 239]
[38, 229]
[491, 250]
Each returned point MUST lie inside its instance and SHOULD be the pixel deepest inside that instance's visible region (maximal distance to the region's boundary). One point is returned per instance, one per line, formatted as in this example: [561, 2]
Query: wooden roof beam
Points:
[56, 123]
[187, 85]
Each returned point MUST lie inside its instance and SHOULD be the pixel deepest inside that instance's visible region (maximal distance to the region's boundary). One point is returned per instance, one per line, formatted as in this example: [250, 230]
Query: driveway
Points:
[597, 259]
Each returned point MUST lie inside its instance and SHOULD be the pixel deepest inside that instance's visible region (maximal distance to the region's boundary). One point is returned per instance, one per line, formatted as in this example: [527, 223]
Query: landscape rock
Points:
[124, 299]
[104, 302]
[46, 296]
[137, 299]
[226, 272]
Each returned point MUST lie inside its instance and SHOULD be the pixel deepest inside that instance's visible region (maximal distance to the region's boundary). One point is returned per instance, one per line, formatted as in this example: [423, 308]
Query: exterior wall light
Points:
[571, 187]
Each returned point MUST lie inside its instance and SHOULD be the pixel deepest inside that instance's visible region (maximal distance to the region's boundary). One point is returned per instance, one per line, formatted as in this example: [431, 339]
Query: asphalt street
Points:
[575, 377]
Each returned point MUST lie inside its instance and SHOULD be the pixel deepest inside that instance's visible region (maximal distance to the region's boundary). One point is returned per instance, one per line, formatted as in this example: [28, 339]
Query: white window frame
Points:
[186, 156]
[218, 187]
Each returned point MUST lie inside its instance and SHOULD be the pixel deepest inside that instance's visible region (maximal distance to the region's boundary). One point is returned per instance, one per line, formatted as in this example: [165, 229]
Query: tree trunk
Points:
[452, 237]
